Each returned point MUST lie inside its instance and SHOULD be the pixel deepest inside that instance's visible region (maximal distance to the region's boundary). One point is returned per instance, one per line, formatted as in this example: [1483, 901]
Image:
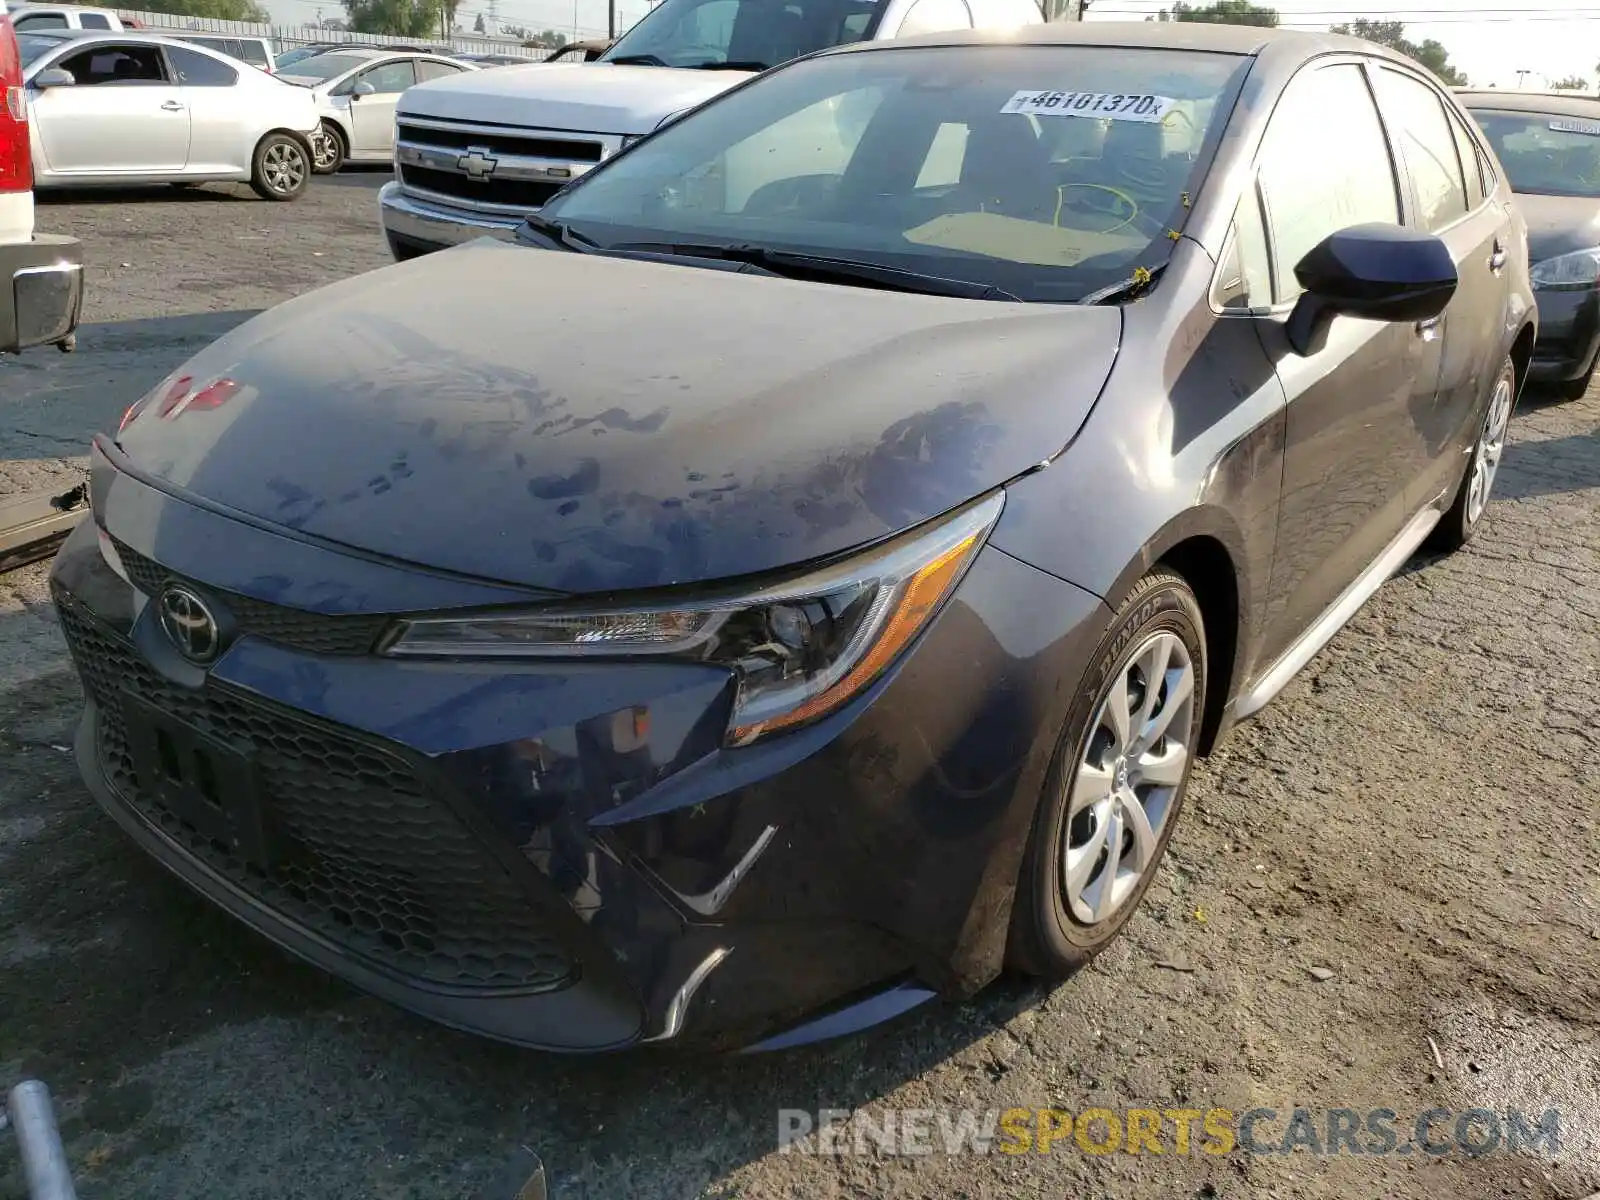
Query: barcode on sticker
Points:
[1591, 128]
[1115, 106]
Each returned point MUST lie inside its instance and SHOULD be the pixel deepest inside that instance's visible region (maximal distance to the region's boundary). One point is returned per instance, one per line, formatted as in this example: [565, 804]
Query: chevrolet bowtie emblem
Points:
[476, 163]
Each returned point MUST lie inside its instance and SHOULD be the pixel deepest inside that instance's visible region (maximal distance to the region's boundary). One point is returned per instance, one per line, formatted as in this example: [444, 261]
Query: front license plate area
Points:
[200, 779]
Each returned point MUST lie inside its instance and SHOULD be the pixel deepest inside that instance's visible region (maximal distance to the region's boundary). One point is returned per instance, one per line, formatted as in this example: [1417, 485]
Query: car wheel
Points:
[327, 150]
[1117, 781]
[1456, 527]
[282, 168]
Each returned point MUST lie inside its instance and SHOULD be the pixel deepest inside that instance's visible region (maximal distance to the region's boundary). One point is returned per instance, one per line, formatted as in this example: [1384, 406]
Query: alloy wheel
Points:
[283, 167]
[324, 150]
[1491, 447]
[1125, 787]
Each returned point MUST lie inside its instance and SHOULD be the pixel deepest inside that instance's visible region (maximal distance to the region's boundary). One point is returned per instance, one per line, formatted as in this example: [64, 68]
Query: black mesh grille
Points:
[367, 858]
[308, 631]
[518, 193]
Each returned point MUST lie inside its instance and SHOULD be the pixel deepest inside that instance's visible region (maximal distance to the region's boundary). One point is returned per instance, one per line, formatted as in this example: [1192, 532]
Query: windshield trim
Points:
[1155, 257]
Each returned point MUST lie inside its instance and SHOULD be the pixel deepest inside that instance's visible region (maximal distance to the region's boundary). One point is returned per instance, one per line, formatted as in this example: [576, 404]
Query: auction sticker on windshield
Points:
[1591, 128]
[1116, 106]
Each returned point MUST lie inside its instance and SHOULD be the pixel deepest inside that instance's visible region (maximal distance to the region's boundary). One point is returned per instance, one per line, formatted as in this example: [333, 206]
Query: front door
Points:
[372, 116]
[123, 116]
[1349, 440]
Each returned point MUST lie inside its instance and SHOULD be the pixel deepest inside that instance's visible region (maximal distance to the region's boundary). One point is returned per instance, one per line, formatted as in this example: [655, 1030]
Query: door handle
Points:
[1497, 260]
[1429, 329]
[172, 106]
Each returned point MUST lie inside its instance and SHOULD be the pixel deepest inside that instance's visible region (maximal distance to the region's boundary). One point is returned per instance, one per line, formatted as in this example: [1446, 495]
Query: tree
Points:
[477, 26]
[402, 18]
[1393, 35]
[553, 39]
[221, 10]
[1572, 83]
[1221, 12]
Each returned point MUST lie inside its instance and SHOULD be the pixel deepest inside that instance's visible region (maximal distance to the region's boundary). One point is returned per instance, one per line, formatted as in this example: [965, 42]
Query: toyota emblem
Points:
[189, 625]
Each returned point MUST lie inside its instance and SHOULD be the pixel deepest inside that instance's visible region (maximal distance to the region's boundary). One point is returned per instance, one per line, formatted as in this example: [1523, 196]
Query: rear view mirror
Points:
[53, 78]
[1377, 272]
[362, 88]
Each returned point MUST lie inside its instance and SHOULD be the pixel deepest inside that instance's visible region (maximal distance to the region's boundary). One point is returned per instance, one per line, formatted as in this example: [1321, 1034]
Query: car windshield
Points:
[322, 67]
[1546, 154]
[1048, 172]
[299, 55]
[754, 34]
[35, 46]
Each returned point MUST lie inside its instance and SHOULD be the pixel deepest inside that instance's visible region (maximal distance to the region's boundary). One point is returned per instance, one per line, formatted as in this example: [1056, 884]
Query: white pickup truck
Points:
[475, 153]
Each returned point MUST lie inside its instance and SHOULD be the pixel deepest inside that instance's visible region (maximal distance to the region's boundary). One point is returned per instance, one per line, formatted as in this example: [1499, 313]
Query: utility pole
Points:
[611, 19]
[1521, 75]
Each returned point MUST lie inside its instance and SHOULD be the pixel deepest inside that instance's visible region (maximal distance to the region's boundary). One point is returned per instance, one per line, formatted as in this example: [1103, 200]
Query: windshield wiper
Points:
[561, 233]
[793, 265]
[637, 60]
[748, 65]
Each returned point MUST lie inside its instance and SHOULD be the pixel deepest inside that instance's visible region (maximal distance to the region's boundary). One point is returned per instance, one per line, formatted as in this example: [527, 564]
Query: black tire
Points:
[281, 168]
[1458, 525]
[1047, 938]
[404, 251]
[331, 137]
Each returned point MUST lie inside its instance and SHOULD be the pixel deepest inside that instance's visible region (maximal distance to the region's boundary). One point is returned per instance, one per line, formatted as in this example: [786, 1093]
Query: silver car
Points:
[356, 92]
[139, 108]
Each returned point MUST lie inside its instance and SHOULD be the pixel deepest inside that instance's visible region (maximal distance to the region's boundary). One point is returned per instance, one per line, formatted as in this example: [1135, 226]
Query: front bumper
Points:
[1569, 336]
[421, 226]
[482, 845]
[41, 298]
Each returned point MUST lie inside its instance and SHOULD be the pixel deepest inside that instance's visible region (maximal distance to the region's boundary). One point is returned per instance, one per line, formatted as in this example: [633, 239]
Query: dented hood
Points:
[590, 424]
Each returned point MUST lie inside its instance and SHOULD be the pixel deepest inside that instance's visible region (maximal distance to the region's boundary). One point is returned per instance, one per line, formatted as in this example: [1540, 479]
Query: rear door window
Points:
[93, 21]
[1420, 128]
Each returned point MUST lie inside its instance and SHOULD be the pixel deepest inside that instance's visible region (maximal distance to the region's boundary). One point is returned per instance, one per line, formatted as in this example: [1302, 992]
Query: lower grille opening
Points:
[363, 855]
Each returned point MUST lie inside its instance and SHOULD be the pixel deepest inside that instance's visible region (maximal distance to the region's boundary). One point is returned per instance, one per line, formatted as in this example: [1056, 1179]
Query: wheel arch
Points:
[1522, 353]
[1206, 548]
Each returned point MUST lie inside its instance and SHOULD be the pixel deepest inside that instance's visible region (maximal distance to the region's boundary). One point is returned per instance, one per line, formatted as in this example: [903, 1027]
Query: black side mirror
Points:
[1377, 272]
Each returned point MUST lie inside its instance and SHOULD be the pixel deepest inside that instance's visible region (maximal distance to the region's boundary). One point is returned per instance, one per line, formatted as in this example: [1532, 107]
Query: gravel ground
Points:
[1415, 817]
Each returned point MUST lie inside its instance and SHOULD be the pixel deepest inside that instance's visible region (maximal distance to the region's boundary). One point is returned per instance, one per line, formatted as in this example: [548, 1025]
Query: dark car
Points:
[797, 580]
[1549, 146]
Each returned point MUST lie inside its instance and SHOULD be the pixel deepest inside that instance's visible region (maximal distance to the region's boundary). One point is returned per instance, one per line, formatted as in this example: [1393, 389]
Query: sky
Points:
[1491, 40]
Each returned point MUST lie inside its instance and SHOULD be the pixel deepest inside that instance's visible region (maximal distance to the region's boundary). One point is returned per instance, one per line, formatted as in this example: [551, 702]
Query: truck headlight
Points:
[1574, 272]
[800, 648]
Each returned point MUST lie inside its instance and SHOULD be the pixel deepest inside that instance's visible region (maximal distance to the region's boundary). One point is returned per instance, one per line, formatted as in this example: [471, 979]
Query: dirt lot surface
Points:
[1416, 819]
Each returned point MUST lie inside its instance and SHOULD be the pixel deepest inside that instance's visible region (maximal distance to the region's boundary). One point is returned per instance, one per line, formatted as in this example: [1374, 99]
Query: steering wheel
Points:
[1089, 201]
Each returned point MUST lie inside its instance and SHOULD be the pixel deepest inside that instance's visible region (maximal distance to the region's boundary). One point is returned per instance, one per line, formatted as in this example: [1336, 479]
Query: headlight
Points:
[799, 648]
[1573, 272]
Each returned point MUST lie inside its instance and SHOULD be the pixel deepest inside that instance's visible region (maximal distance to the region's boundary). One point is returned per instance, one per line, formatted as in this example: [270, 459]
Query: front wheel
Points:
[1116, 785]
[327, 150]
[282, 168]
[1458, 525]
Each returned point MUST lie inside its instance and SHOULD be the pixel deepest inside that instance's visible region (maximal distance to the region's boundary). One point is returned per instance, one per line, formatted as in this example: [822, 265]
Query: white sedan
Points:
[124, 107]
[356, 92]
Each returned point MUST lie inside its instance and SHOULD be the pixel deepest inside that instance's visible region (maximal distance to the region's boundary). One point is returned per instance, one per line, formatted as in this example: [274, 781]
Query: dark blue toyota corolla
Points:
[795, 579]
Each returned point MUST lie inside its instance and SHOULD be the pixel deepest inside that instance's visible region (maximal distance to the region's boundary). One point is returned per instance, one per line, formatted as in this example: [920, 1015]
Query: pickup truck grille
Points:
[502, 193]
[491, 168]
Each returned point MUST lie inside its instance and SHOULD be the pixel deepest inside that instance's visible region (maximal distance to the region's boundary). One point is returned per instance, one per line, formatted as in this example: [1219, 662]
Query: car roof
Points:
[1156, 35]
[1567, 103]
[136, 36]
